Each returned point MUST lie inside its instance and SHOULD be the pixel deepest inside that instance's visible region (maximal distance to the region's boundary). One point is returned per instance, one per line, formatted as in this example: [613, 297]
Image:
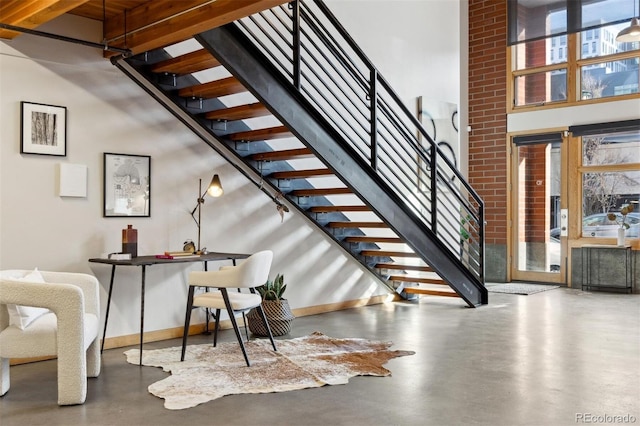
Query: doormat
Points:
[524, 289]
[208, 372]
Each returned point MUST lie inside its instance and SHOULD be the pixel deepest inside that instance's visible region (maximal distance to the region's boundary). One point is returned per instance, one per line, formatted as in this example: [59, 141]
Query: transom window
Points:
[555, 43]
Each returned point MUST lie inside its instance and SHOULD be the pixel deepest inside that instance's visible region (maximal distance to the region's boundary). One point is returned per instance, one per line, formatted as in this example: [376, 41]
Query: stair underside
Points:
[320, 192]
[261, 134]
[289, 154]
[429, 292]
[374, 240]
[213, 89]
[399, 266]
[240, 112]
[422, 280]
[388, 253]
[301, 174]
[357, 225]
[199, 60]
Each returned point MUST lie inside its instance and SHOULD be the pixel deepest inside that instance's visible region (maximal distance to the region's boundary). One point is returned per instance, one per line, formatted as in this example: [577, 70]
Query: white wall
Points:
[415, 44]
[107, 112]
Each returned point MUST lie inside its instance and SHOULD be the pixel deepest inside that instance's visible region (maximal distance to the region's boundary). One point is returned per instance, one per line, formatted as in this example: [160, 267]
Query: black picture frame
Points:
[127, 185]
[43, 129]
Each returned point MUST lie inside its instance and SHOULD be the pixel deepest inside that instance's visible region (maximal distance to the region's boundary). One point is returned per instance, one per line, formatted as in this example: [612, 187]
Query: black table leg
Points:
[206, 310]
[144, 269]
[106, 317]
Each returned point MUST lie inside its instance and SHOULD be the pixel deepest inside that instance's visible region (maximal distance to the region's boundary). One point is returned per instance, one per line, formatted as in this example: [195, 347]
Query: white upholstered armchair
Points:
[68, 330]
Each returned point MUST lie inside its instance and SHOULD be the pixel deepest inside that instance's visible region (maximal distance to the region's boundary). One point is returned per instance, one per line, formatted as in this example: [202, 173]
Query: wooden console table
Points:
[144, 261]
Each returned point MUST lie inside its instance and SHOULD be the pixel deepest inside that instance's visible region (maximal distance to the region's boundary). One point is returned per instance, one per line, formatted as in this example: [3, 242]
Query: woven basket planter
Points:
[278, 314]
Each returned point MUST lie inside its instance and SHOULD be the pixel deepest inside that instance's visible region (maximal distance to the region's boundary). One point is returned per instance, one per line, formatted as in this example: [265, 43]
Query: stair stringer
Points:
[227, 45]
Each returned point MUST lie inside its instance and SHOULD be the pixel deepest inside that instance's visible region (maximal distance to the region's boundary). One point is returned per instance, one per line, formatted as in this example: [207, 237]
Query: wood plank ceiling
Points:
[137, 25]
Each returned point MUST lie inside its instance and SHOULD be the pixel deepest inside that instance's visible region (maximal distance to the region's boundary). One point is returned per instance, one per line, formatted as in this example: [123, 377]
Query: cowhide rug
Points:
[208, 373]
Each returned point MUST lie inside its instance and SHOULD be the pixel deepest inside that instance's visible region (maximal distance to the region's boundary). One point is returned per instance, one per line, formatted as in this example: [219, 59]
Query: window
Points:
[610, 180]
[584, 32]
[541, 88]
[609, 79]
[536, 19]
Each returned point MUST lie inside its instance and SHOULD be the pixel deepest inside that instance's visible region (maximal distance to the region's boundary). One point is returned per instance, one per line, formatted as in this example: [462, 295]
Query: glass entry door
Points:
[537, 245]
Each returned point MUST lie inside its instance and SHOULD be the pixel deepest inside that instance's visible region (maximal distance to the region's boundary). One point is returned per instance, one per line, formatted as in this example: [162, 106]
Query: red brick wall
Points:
[487, 112]
[536, 193]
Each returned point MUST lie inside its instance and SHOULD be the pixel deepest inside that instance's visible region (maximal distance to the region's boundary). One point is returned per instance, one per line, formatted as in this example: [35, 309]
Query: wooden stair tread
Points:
[300, 174]
[287, 154]
[387, 253]
[398, 266]
[423, 280]
[213, 89]
[240, 112]
[319, 192]
[357, 225]
[360, 239]
[425, 291]
[261, 134]
[327, 209]
[187, 64]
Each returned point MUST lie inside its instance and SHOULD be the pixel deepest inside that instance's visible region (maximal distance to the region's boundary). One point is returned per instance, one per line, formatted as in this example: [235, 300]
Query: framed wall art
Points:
[43, 129]
[127, 185]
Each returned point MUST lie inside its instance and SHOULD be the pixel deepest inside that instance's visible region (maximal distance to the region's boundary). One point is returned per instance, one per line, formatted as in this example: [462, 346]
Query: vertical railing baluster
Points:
[373, 98]
[296, 43]
[434, 187]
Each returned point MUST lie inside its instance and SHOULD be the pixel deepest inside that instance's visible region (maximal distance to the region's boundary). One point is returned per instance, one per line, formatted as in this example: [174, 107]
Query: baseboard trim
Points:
[176, 332]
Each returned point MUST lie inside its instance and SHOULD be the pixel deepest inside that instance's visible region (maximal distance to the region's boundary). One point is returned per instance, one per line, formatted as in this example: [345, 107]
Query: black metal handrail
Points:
[311, 49]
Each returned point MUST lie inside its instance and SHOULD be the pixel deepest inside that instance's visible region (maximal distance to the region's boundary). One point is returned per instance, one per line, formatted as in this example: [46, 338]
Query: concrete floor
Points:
[551, 358]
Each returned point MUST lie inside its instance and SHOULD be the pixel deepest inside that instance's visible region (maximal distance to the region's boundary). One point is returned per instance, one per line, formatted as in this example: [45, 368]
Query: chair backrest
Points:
[251, 272]
[254, 271]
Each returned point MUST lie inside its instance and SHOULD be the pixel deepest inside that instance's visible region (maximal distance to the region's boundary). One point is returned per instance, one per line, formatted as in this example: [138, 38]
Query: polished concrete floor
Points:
[560, 357]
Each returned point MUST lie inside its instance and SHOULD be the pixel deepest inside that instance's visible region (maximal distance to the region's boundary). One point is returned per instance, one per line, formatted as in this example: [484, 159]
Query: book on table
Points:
[177, 255]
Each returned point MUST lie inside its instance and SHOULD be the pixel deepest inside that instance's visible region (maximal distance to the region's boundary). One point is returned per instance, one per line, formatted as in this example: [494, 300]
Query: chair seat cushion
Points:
[40, 337]
[239, 301]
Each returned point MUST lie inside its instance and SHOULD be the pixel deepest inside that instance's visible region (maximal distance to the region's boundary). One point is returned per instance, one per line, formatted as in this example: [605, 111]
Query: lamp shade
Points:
[215, 187]
[631, 33]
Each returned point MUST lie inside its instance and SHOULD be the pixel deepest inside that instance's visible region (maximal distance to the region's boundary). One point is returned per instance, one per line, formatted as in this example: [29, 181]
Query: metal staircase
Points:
[338, 144]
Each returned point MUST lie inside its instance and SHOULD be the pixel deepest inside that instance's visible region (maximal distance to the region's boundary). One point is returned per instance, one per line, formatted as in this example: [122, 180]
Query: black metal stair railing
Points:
[313, 52]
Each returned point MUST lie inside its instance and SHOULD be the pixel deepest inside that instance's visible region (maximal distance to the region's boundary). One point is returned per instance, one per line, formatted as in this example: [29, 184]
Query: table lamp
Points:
[215, 190]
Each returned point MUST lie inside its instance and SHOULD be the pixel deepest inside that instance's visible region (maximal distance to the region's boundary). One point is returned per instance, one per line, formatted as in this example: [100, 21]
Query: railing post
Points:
[434, 187]
[295, 6]
[373, 97]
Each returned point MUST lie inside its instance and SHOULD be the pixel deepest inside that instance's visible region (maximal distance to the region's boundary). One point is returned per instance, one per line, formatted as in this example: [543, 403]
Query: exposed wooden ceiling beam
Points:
[32, 13]
[164, 22]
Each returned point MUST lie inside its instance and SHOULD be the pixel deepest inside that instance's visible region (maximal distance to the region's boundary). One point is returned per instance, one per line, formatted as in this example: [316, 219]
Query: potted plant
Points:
[276, 309]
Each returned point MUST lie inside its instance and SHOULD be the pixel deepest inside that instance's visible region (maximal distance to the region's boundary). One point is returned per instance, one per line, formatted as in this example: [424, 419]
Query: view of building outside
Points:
[602, 79]
[605, 69]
